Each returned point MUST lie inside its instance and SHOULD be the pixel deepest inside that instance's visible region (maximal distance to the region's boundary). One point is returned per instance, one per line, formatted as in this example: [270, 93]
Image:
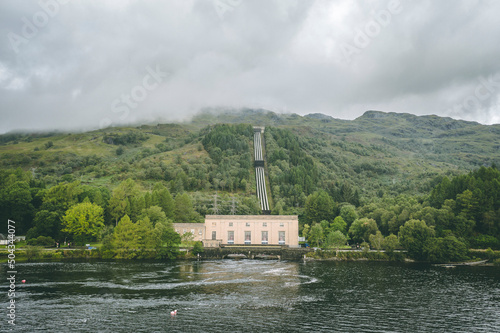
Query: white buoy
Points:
[173, 313]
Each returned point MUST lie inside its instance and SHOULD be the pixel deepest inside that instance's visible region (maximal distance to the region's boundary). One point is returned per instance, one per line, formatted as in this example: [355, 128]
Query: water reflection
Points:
[251, 295]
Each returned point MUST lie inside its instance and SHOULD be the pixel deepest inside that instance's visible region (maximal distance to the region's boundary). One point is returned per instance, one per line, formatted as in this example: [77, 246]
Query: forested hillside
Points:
[383, 169]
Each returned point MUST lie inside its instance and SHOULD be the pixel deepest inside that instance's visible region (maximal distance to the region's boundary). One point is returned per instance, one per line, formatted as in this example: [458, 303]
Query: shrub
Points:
[42, 241]
[197, 248]
[33, 252]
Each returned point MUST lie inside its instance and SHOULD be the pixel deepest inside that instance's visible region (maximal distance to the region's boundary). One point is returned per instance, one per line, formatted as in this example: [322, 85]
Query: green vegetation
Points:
[384, 178]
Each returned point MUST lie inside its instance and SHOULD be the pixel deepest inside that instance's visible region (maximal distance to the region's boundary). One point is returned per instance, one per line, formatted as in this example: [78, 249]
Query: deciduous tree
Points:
[84, 221]
[413, 236]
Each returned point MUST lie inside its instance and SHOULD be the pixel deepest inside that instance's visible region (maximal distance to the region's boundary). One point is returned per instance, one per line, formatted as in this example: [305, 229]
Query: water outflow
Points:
[259, 170]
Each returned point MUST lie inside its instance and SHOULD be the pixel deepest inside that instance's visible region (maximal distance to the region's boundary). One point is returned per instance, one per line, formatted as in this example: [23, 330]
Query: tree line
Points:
[305, 178]
[457, 214]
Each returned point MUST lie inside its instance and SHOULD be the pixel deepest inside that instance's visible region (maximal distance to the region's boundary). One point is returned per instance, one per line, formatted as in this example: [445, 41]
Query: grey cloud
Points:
[281, 55]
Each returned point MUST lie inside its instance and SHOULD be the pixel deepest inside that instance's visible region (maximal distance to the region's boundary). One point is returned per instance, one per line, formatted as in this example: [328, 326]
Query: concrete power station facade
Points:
[244, 230]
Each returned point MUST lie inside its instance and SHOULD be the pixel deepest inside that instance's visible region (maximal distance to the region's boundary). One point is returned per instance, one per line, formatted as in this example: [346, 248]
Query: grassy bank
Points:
[474, 255]
[39, 254]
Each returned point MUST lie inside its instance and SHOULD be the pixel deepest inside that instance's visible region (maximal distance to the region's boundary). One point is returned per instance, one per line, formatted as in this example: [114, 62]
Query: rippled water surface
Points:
[255, 296]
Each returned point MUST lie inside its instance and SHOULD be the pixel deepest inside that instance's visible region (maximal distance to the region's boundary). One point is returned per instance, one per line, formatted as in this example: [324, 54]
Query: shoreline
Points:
[286, 254]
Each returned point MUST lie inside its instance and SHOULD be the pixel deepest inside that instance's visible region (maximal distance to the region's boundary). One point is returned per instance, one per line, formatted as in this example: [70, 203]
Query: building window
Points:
[214, 235]
[264, 237]
[200, 232]
[247, 224]
[282, 224]
[214, 224]
[230, 224]
[264, 224]
[248, 237]
[281, 237]
[230, 237]
[192, 231]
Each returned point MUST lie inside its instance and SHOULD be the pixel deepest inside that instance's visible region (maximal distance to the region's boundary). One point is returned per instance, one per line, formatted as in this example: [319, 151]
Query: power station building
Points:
[223, 230]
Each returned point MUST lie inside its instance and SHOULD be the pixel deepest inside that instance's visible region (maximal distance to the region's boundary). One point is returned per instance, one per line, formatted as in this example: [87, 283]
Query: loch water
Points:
[253, 296]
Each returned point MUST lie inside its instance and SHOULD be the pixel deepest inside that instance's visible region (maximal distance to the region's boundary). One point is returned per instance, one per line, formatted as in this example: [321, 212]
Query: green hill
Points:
[377, 152]
[372, 160]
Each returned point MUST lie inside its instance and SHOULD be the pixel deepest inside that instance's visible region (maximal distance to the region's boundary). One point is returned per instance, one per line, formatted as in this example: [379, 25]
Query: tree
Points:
[84, 221]
[305, 231]
[338, 224]
[155, 215]
[119, 205]
[161, 197]
[326, 227]
[197, 248]
[336, 239]
[45, 223]
[365, 246]
[125, 234]
[390, 244]
[463, 226]
[184, 211]
[348, 213]
[447, 249]
[319, 207]
[316, 236]
[187, 238]
[18, 206]
[413, 235]
[469, 203]
[136, 204]
[278, 208]
[376, 240]
[56, 201]
[144, 233]
[361, 229]
[148, 200]
[166, 241]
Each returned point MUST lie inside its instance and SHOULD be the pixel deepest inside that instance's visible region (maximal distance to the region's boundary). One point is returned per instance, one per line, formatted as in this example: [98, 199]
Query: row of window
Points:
[264, 224]
[248, 237]
[200, 231]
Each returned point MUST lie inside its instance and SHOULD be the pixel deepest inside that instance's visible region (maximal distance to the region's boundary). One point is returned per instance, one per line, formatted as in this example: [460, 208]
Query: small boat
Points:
[173, 313]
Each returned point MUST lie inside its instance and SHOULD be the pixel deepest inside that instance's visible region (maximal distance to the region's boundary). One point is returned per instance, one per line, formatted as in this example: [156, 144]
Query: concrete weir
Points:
[256, 253]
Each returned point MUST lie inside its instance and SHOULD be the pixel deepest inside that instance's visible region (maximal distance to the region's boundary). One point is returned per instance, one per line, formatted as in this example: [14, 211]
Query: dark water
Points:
[254, 296]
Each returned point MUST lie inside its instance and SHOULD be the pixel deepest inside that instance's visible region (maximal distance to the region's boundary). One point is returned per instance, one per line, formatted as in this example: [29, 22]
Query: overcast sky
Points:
[89, 64]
